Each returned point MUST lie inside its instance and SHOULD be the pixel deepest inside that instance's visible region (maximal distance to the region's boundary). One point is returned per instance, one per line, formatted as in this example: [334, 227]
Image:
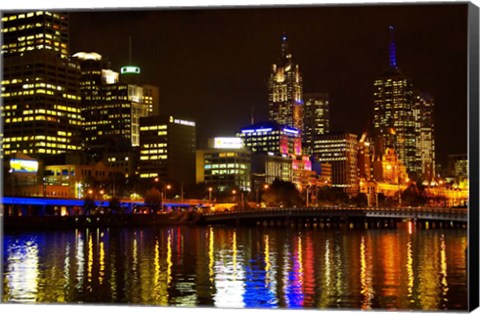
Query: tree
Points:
[282, 193]
[414, 196]
[115, 205]
[153, 199]
[332, 195]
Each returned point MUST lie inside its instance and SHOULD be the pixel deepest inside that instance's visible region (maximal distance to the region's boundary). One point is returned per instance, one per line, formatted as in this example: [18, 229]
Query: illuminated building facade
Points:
[390, 169]
[457, 167]
[272, 137]
[35, 31]
[167, 149]
[285, 91]
[340, 150]
[425, 127]
[316, 119]
[40, 87]
[224, 168]
[269, 167]
[151, 99]
[112, 110]
[364, 157]
[394, 121]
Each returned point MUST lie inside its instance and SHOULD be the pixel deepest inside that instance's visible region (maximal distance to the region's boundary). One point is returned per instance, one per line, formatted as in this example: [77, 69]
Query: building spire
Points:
[284, 46]
[392, 58]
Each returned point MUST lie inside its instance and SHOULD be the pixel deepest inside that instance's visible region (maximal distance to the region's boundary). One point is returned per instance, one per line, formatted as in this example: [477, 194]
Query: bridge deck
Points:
[444, 214]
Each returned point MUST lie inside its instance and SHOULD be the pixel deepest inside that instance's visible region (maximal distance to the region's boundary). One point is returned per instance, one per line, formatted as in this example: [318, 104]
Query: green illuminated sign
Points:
[129, 69]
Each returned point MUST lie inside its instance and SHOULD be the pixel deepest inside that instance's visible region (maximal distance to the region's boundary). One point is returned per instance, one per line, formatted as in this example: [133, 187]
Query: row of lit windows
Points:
[153, 127]
[19, 80]
[37, 137]
[230, 171]
[153, 157]
[31, 151]
[235, 165]
[30, 14]
[36, 85]
[154, 145]
[153, 151]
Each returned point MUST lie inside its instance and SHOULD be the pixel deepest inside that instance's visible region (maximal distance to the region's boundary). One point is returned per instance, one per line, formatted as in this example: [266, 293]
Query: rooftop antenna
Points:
[130, 50]
[392, 49]
[252, 119]
[284, 45]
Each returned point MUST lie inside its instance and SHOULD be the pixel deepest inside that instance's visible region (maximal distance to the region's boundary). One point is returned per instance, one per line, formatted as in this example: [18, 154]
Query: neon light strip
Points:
[290, 131]
[7, 200]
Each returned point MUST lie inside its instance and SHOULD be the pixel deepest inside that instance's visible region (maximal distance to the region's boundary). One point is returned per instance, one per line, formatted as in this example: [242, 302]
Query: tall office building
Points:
[273, 138]
[285, 91]
[340, 150]
[40, 86]
[316, 119]
[394, 121]
[425, 129]
[167, 148]
[112, 110]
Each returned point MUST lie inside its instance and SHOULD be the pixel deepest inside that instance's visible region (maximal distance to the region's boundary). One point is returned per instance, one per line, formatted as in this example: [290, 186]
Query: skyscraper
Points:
[316, 119]
[285, 91]
[394, 121]
[40, 86]
[425, 129]
[340, 150]
[167, 148]
[111, 110]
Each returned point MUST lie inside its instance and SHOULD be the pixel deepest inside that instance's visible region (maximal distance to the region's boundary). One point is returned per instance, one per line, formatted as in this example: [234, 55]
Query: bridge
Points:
[279, 216]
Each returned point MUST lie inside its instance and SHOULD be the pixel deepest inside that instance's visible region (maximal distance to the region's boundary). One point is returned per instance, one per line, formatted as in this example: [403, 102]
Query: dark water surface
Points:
[239, 267]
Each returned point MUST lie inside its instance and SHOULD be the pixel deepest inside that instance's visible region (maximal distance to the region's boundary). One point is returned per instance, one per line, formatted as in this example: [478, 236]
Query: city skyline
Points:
[227, 72]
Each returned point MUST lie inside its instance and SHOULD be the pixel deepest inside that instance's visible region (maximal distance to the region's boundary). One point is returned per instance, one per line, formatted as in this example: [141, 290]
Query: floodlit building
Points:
[167, 149]
[425, 131]
[111, 110]
[394, 121]
[285, 91]
[316, 119]
[225, 164]
[272, 137]
[268, 168]
[40, 86]
[340, 150]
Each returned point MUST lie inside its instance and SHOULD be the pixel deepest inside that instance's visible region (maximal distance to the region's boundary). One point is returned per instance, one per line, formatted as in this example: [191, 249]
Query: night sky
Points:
[212, 65]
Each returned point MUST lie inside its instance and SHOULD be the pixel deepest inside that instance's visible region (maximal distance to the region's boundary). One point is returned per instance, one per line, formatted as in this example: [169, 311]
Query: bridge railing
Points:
[409, 210]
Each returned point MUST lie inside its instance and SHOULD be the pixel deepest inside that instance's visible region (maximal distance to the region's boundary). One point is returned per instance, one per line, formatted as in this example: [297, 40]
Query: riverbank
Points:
[97, 221]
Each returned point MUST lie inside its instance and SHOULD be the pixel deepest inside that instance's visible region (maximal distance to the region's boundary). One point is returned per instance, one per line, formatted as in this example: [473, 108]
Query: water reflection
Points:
[227, 267]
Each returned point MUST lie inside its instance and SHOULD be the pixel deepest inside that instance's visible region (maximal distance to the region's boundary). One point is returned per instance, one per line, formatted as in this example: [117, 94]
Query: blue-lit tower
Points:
[394, 122]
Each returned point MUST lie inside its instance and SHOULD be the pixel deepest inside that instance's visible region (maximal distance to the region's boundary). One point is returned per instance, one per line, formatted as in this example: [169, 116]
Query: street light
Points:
[210, 194]
[168, 187]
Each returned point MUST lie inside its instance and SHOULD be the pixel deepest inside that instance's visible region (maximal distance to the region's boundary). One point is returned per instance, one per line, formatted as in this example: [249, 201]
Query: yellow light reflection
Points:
[169, 259]
[89, 261]
[443, 266]
[410, 274]
[234, 258]
[101, 272]
[365, 278]
[210, 255]
[300, 261]
[267, 260]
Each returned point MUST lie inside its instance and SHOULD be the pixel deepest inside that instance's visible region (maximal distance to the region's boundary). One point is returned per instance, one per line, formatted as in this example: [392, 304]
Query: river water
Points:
[239, 267]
